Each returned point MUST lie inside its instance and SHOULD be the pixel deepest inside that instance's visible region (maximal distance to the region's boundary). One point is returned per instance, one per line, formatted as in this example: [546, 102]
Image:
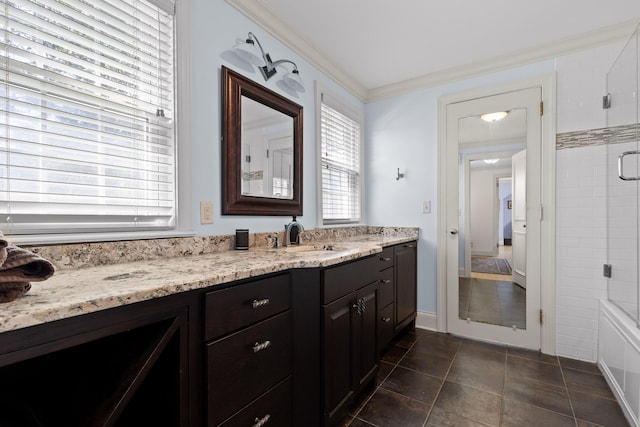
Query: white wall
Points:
[215, 27]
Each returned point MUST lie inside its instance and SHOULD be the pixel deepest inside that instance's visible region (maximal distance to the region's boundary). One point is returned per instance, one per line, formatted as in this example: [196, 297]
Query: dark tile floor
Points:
[492, 301]
[431, 379]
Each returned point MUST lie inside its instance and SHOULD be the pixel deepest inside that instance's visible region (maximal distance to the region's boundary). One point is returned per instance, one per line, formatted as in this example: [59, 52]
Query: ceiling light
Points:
[494, 117]
[491, 161]
[255, 55]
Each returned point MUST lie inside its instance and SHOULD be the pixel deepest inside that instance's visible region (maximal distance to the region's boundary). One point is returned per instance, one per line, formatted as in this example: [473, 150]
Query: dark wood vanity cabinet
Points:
[248, 328]
[397, 294]
[406, 292]
[285, 349]
[386, 297]
[120, 367]
[349, 333]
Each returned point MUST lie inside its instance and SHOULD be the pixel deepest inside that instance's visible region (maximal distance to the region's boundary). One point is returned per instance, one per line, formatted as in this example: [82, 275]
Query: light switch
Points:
[426, 206]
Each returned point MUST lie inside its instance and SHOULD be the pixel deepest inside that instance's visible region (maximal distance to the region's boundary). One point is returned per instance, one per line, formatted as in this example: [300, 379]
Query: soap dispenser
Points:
[292, 232]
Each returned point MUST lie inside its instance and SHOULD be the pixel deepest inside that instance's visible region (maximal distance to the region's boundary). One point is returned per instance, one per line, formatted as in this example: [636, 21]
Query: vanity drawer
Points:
[234, 308]
[385, 326]
[385, 258]
[385, 288]
[273, 408]
[343, 279]
[244, 365]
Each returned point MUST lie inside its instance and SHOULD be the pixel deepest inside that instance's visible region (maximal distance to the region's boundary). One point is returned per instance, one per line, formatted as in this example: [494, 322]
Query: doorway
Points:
[511, 309]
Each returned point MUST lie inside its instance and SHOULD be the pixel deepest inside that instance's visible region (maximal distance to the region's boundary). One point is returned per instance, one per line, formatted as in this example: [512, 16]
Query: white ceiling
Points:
[375, 47]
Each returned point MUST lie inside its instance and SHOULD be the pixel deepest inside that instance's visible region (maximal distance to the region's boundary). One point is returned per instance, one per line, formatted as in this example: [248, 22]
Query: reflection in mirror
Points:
[267, 151]
[492, 289]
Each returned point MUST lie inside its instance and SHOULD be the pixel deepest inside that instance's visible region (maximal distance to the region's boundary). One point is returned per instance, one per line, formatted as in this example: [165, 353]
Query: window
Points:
[340, 162]
[86, 116]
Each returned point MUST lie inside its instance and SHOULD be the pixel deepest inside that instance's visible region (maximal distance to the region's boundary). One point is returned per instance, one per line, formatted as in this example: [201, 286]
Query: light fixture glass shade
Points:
[494, 117]
[249, 52]
[491, 161]
[294, 81]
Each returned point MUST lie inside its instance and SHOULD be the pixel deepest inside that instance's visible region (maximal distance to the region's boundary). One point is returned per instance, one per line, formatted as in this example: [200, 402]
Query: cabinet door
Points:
[365, 335]
[338, 320]
[406, 284]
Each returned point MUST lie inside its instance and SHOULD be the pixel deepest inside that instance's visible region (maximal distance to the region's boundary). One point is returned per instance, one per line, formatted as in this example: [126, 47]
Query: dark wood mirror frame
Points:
[234, 86]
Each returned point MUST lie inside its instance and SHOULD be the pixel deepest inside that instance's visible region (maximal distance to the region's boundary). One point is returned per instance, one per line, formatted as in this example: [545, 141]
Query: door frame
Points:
[547, 84]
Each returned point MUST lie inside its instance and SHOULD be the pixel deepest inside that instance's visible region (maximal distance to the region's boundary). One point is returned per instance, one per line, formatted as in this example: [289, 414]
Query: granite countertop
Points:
[73, 292]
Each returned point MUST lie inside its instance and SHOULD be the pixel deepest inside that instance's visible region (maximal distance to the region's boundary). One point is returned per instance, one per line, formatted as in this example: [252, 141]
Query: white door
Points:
[519, 218]
[526, 102]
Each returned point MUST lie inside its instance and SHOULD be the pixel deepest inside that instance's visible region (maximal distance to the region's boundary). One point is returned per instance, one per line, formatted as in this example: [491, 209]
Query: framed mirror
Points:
[261, 149]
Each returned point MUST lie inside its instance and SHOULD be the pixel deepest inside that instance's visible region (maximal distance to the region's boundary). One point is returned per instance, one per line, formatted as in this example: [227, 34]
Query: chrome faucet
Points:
[292, 233]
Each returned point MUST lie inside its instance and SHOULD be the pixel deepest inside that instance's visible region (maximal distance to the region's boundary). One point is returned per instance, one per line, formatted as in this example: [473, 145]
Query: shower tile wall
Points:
[581, 199]
[581, 249]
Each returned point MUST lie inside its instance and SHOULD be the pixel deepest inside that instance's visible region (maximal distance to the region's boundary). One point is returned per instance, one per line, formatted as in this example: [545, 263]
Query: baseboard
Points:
[426, 320]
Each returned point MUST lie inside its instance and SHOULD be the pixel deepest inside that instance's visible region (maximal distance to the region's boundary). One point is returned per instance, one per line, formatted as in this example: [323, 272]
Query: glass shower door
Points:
[623, 178]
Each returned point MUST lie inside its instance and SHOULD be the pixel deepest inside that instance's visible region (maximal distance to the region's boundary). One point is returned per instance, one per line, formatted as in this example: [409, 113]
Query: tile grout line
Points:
[504, 385]
[395, 365]
[444, 379]
[564, 381]
[555, 387]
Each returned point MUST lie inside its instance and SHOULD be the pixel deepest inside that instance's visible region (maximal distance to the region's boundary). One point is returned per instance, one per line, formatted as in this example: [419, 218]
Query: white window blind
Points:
[86, 116]
[340, 163]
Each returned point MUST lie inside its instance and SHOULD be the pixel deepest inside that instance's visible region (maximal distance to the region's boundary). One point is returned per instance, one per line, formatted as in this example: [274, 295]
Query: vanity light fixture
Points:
[251, 51]
[494, 117]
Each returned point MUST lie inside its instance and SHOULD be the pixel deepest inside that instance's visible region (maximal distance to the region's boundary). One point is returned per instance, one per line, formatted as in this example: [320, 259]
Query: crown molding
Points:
[501, 63]
[270, 22]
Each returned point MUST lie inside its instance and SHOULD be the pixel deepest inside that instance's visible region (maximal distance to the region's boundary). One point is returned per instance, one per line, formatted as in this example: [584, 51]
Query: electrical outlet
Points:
[426, 206]
[206, 212]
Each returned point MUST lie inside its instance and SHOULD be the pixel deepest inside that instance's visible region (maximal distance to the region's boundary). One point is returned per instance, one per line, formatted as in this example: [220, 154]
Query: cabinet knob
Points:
[385, 281]
[385, 259]
[386, 319]
[259, 302]
[259, 422]
[261, 346]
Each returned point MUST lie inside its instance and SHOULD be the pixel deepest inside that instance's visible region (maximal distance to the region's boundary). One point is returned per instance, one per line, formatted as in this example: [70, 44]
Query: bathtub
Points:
[619, 357]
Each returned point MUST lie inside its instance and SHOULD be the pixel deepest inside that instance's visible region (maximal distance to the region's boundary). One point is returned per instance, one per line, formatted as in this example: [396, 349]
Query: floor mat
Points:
[490, 265]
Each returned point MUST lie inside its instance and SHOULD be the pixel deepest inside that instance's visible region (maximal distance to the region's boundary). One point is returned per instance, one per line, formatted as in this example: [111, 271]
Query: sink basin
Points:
[313, 248]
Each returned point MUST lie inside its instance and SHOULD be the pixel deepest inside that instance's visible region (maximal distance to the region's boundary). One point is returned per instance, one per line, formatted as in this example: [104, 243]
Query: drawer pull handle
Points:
[259, 422]
[259, 346]
[260, 302]
[386, 319]
[385, 259]
[360, 306]
[386, 280]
